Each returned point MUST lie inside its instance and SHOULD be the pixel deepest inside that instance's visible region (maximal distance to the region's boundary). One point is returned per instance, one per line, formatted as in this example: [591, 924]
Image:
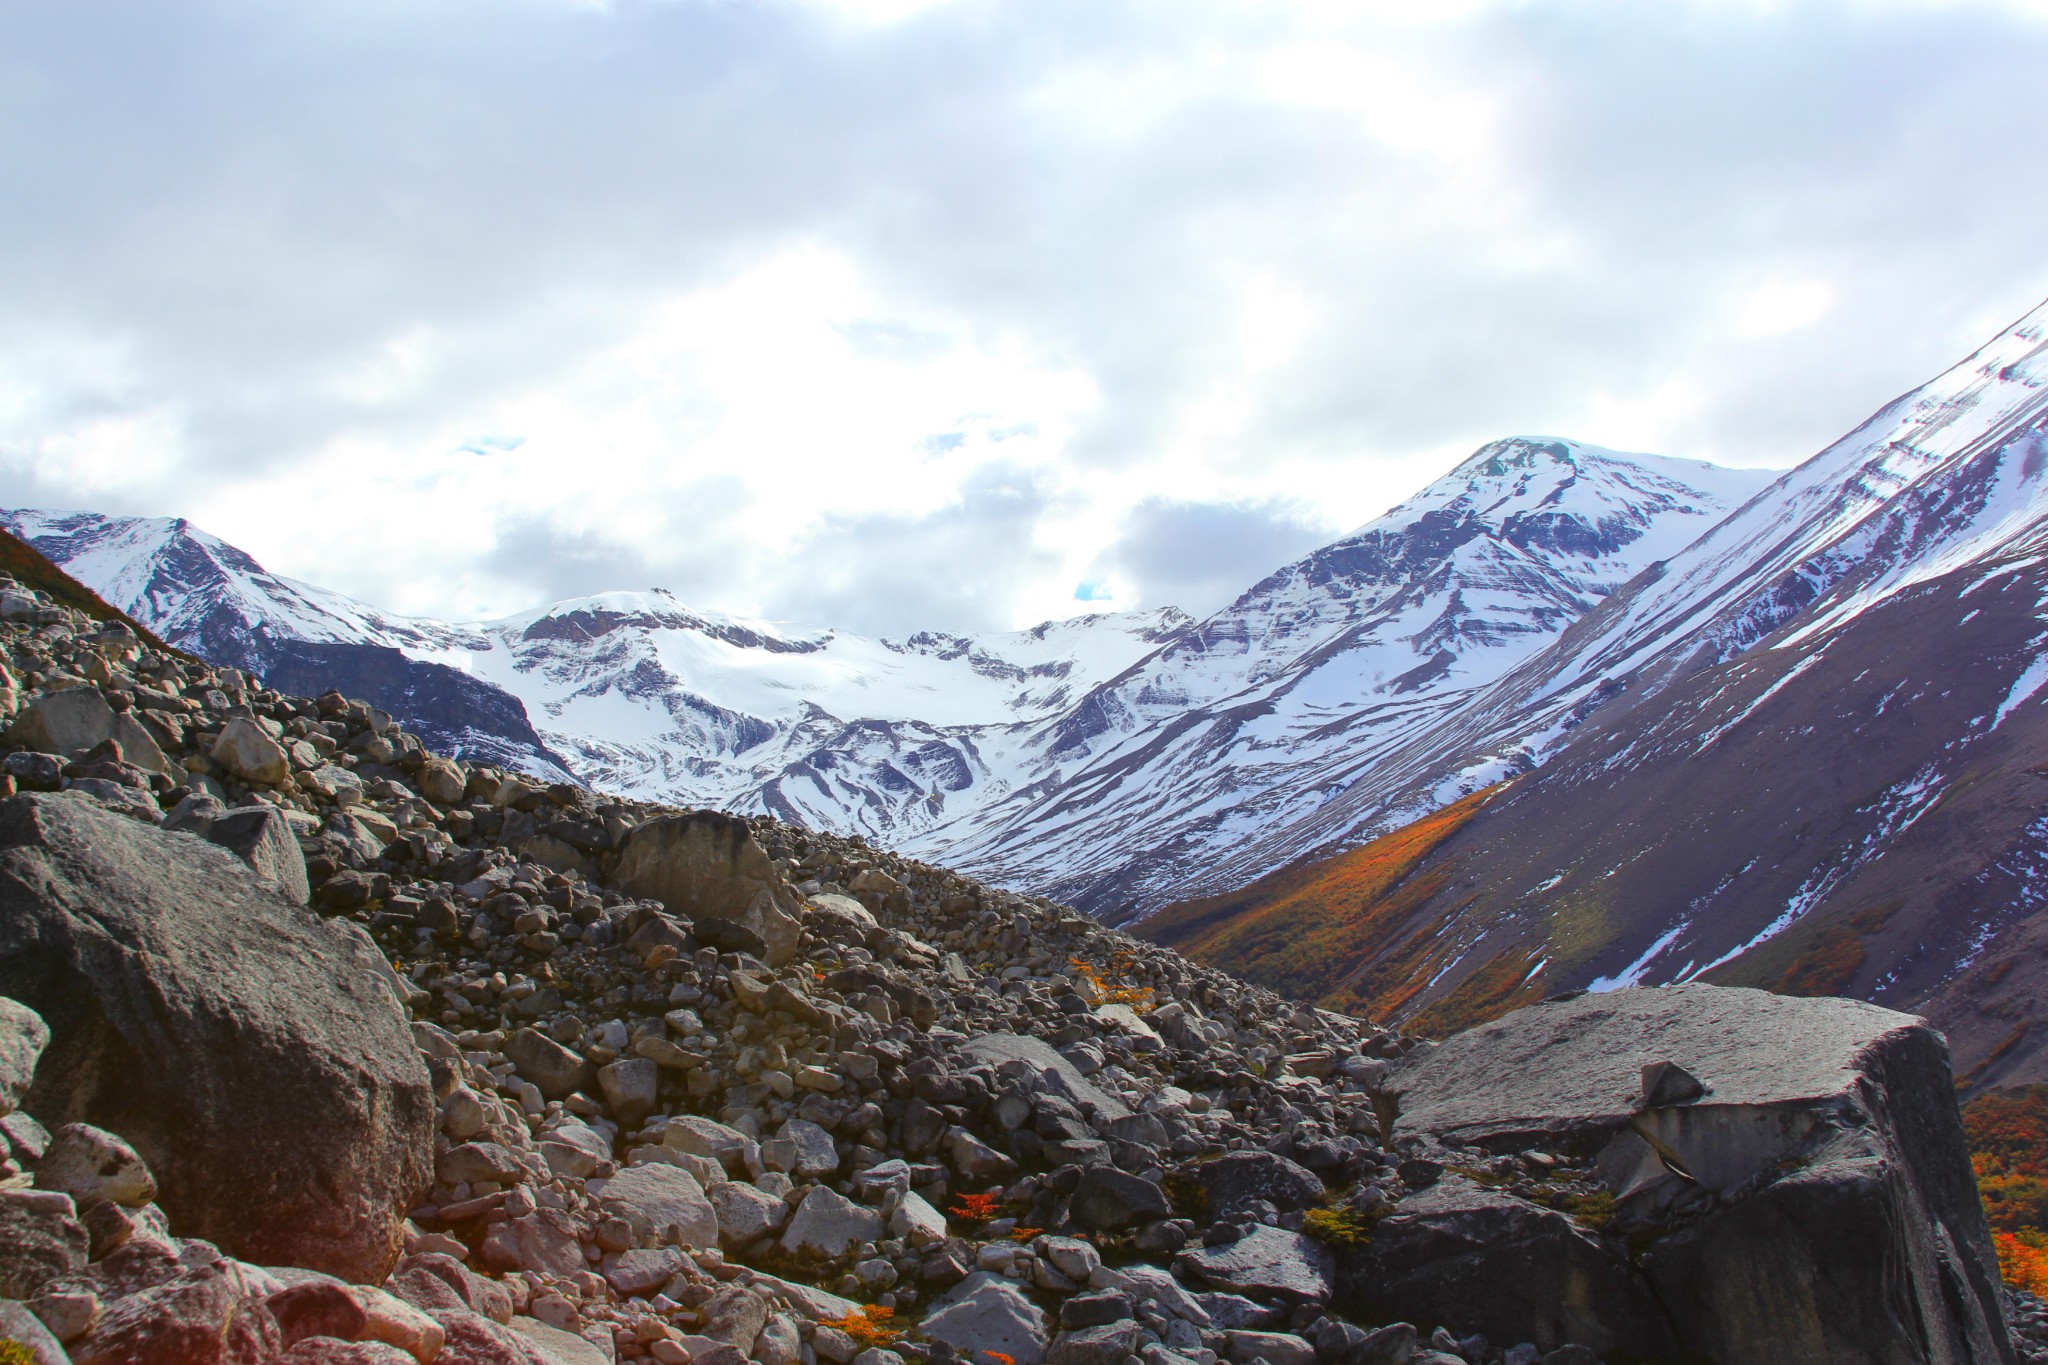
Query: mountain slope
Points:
[1807, 755]
[633, 692]
[1209, 761]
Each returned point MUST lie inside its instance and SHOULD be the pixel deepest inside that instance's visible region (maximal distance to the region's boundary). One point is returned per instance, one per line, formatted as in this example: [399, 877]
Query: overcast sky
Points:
[961, 314]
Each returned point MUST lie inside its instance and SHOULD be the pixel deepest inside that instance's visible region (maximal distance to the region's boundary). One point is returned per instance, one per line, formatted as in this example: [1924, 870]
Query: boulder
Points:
[630, 1088]
[829, 1224]
[665, 1200]
[442, 781]
[554, 1070]
[78, 719]
[41, 1240]
[1107, 1344]
[94, 1166]
[816, 1153]
[746, 1213]
[23, 1328]
[1110, 1200]
[253, 1055]
[1547, 1278]
[985, 1313]
[707, 865]
[1807, 1196]
[261, 837]
[23, 1036]
[209, 1311]
[1266, 1263]
[248, 752]
[1236, 1178]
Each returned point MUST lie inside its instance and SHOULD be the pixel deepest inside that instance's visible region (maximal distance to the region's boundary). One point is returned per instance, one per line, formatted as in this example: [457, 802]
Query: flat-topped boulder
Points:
[1791, 1175]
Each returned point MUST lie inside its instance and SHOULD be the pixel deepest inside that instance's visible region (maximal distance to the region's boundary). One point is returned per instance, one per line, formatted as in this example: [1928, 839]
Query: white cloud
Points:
[876, 307]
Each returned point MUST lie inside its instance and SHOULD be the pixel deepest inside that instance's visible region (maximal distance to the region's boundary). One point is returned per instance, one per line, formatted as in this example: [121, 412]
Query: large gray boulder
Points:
[986, 1313]
[1033, 1061]
[708, 866]
[254, 1055]
[1788, 1181]
[77, 719]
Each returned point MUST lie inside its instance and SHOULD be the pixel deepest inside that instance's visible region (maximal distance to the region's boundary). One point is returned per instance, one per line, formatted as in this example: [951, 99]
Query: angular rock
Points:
[1234, 1179]
[816, 1153]
[1815, 1202]
[247, 751]
[78, 719]
[94, 1167]
[473, 1161]
[1266, 1263]
[746, 1213]
[829, 1224]
[208, 1313]
[986, 1312]
[23, 1036]
[631, 1089]
[666, 1201]
[41, 1240]
[709, 1138]
[253, 1055]
[1272, 1348]
[1107, 1344]
[544, 1240]
[442, 781]
[1110, 1200]
[554, 1070]
[261, 837]
[642, 1270]
[707, 865]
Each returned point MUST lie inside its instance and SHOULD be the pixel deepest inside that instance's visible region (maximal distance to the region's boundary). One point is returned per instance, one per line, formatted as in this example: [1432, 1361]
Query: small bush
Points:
[1595, 1210]
[13, 1352]
[869, 1327]
[1343, 1227]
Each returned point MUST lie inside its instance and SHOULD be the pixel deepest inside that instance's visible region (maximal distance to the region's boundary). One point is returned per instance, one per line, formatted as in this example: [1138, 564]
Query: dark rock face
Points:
[251, 1052]
[1814, 1203]
[453, 712]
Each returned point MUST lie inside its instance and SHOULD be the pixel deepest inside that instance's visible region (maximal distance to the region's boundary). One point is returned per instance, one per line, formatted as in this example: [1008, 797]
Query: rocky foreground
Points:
[318, 1047]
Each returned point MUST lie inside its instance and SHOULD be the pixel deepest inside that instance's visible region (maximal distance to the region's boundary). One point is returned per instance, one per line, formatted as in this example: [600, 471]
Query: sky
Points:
[961, 314]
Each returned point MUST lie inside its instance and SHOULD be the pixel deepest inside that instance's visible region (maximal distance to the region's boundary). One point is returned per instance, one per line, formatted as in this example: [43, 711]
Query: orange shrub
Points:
[976, 1208]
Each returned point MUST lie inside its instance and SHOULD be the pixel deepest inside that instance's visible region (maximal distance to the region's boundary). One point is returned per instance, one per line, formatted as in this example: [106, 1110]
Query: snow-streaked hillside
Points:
[635, 692]
[1243, 729]
[1119, 760]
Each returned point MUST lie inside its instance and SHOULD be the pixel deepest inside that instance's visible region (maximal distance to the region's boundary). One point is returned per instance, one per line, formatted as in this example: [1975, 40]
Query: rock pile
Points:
[636, 1084]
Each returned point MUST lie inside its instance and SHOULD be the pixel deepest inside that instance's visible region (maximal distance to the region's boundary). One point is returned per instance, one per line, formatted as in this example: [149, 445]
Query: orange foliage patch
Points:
[976, 1208]
[1108, 981]
[999, 1357]
[2023, 1260]
[870, 1326]
[1827, 966]
[1328, 931]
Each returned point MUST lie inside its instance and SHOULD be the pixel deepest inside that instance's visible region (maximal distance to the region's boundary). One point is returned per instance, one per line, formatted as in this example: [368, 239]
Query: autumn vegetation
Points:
[1338, 931]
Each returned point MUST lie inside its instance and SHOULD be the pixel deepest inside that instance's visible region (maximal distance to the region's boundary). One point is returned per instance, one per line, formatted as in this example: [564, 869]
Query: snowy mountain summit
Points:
[1118, 760]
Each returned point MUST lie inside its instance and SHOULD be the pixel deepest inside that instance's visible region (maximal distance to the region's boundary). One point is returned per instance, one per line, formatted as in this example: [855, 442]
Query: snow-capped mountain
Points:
[1118, 759]
[1805, 753]
[1206, 763]
[633, 692]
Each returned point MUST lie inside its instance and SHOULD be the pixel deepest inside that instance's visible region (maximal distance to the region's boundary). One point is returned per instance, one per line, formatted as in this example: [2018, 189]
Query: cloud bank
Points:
[920, 313]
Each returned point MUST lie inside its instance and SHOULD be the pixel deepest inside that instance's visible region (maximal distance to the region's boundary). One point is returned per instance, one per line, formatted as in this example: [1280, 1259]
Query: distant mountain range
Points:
[1116, 760]
[1809, 752]
[1567, 718]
